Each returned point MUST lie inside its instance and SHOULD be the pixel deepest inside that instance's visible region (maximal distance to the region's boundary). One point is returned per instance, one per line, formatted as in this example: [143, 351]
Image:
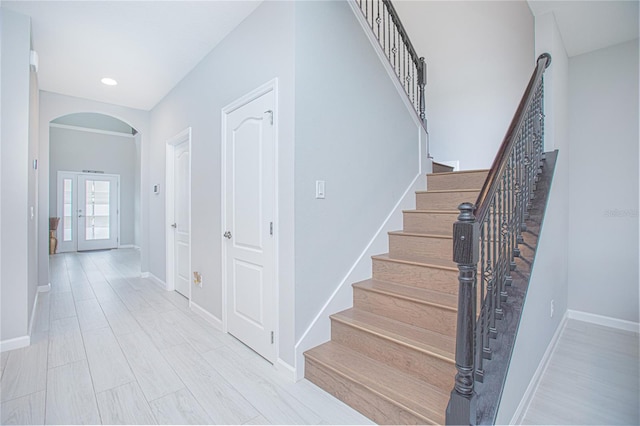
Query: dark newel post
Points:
[462, 404]
[422, 81]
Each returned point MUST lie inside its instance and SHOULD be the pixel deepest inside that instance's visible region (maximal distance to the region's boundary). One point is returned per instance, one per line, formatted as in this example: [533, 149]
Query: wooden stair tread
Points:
[428, 263]
[414, 294]
[409, 335]
[432, 211]
[420, 234]
[460, 172]
[415, 396]
[446, 191]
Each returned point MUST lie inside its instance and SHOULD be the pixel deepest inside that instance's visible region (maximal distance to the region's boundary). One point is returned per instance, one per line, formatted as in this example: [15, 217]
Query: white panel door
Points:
[97, 211]
[181, 213]
[249, 215]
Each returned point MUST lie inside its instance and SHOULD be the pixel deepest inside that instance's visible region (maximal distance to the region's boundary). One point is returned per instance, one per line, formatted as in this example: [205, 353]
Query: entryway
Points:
[88, 209]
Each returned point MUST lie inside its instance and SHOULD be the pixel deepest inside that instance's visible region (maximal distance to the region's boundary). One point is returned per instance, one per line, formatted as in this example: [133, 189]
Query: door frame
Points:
[269, 86]
[182, 137]
[59, 205]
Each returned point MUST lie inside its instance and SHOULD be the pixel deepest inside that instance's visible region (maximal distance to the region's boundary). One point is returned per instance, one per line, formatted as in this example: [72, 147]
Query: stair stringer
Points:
[319, 331]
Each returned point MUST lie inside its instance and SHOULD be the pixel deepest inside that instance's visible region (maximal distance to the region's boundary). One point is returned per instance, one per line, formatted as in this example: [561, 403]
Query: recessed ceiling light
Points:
[109, 81]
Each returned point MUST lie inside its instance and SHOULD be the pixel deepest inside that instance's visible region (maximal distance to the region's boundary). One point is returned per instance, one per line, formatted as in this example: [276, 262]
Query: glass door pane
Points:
[97, 196]
[67, 210]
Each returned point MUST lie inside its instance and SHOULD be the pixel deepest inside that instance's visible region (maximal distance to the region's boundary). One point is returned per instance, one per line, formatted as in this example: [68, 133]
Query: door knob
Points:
[227, 235]
[174, 225]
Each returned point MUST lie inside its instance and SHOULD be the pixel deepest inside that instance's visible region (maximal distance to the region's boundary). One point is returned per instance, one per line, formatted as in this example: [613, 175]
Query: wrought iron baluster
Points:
[499, 221]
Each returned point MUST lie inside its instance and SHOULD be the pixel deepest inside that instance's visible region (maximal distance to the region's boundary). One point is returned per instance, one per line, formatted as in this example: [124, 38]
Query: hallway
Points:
[113, 348]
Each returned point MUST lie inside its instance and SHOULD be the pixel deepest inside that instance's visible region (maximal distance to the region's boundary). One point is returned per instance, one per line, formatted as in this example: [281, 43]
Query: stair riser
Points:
[429, 368]
[378, 409]
[470, 180]
[443, 200]
[429, 223]
[419, 249]
[430, 317]
[441, 168]
[441, 280]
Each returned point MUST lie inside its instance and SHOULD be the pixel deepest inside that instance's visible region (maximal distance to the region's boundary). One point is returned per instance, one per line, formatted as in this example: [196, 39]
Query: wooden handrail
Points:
[403, 33]
[485, 243]
[499, 163]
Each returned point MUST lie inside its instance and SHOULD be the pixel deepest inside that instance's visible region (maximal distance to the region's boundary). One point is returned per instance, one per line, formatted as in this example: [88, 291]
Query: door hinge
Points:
[270, 228]
[270, 112]
[272, 337]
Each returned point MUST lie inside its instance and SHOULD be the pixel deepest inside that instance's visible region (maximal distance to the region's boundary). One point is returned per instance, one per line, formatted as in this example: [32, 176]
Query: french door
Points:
[88, 209]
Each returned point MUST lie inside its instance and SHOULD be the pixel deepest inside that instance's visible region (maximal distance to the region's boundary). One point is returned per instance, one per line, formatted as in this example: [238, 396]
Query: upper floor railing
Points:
[485, 243]
[410, 69]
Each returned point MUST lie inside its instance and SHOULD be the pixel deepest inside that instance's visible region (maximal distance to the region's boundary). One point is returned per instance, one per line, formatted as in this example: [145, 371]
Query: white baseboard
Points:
[522, 408]
[286, 370]
[154, 279]
[16, 343]
[604, 321]
[319, 331]
[44, 288]
[208, 316]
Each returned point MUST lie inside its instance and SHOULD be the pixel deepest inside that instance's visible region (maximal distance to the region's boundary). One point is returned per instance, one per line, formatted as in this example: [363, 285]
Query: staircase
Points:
[392, 356]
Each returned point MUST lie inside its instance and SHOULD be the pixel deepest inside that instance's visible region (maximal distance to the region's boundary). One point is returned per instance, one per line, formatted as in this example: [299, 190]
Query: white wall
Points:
[53, 106]
[479, 55]
[17, 180]
[603, 188]
[74, 150]
[549, 279]
[352, 131]
[260, 49]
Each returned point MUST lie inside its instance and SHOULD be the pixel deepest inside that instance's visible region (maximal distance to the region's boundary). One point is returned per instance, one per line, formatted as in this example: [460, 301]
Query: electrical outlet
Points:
[553, 307]
[197, 279]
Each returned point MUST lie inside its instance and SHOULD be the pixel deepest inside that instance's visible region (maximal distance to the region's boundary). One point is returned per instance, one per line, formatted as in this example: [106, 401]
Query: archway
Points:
[53, 107]
[102, 153]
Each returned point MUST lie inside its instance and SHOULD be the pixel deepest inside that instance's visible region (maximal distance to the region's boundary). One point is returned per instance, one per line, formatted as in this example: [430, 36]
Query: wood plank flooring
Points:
[592, 377]
[110, 347]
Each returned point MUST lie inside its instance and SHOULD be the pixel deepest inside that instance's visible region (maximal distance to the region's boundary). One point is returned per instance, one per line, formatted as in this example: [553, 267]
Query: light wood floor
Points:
[110, 347]
[592, 378]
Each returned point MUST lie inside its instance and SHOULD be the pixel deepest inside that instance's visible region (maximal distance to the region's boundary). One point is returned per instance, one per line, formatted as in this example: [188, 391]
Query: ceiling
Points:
[586, 26]
[149, 46]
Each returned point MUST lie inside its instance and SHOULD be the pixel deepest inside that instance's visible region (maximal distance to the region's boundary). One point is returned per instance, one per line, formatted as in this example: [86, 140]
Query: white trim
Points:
[154, 279]
[285, 370]
[44, 288]
[269, 86]
[385, 61]
[523, 407]
[617, 323]
[126, 246]
[89, 130]
[16, 343]
[209, 317]
[32, 319]
[327, 309]
[183, 137]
